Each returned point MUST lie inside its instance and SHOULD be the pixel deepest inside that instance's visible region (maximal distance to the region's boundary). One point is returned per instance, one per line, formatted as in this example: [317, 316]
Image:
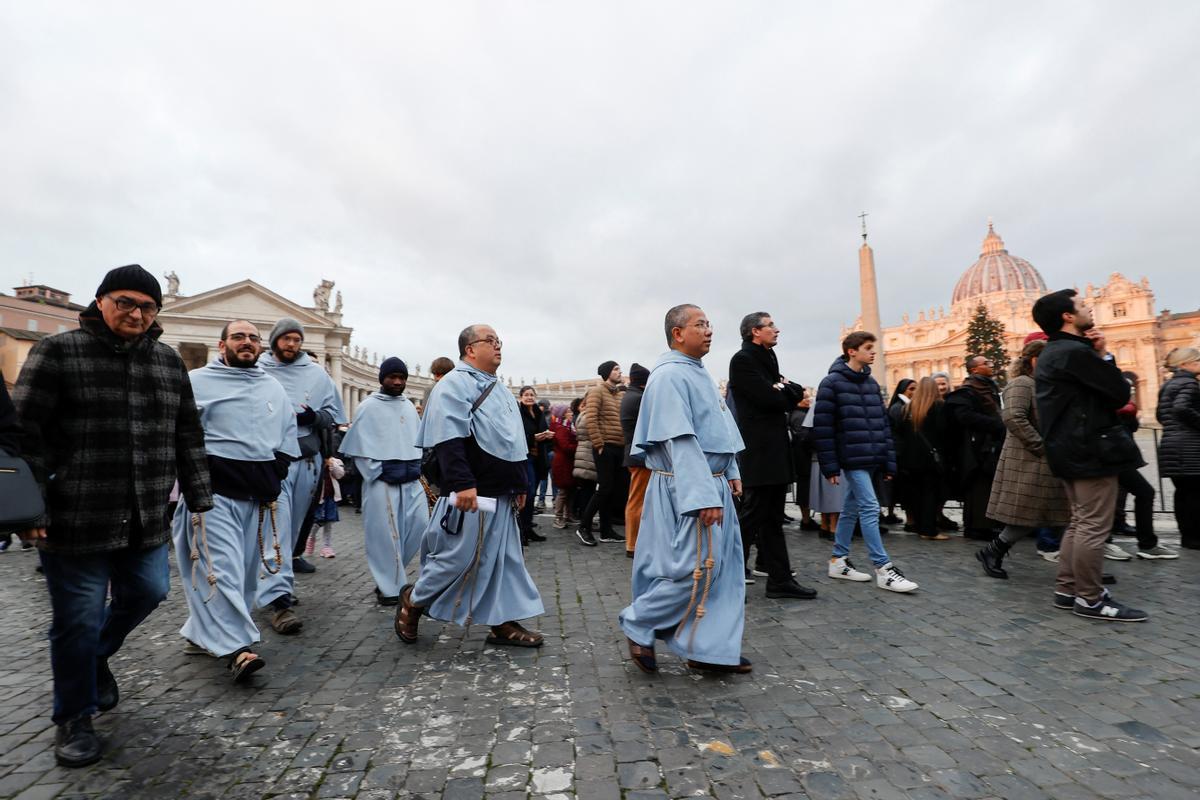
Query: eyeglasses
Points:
[702, 325]
[241, 337]
[127, 304]
[490, 341]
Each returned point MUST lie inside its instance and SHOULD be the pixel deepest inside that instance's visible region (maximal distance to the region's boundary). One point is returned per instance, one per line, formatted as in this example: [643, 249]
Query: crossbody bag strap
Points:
[483, 396]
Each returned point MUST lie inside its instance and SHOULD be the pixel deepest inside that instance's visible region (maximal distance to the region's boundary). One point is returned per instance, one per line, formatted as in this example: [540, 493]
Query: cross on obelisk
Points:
[863, 217]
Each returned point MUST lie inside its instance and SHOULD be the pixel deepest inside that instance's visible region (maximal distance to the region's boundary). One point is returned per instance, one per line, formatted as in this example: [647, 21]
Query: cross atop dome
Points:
[992, 243]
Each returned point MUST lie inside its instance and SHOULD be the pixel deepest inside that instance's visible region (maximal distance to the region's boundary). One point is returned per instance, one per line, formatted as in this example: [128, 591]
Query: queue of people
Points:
[698, 479]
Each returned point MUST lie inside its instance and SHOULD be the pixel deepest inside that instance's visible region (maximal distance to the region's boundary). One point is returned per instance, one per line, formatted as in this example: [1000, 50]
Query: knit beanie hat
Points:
[392, 365]
[1035, 336]
[285, 326]
[131, 277]
[638, 375]
[606, 369]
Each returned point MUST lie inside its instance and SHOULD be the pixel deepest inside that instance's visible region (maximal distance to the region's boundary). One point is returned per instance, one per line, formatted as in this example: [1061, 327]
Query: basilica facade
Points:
[1139, 335]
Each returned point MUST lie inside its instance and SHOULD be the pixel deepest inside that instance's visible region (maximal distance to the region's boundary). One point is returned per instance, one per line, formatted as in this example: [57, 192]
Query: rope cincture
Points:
[469, 577]
[197, 540]
[431, 497]
[395, 531]
[262, 555]
[704, 569]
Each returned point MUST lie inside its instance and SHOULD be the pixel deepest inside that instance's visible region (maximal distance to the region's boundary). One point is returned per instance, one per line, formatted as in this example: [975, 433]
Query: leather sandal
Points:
[245, 664]
[643, 657]
[407, 616]
[741, 668]
[512, 634]
[286, 622]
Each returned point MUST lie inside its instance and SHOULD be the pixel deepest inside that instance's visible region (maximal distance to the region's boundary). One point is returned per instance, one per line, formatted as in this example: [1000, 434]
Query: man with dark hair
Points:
[639, 476]
[317, 406]
[1079, 392]
[974, 408]
[473, 568]
[602, 405]
[688, 585]
[764, 398]
[108, 421]
[250, 439]
[854, 441]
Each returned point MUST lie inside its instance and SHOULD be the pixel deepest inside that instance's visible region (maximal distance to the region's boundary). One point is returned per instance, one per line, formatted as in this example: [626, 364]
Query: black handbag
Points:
[431, 471]
[20, 499]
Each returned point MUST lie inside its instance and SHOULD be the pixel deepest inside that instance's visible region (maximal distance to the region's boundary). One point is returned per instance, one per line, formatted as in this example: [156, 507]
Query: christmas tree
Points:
[985, 337]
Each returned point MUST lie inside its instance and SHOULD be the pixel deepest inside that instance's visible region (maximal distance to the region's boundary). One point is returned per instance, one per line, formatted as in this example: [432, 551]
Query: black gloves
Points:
[306, 417]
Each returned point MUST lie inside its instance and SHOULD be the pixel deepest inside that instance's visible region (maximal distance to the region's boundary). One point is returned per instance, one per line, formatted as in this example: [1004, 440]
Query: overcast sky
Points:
[568, 171]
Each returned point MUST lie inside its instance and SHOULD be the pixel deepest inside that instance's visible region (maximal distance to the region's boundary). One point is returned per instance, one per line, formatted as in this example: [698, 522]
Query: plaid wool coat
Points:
[1024, 490]
[107, 425]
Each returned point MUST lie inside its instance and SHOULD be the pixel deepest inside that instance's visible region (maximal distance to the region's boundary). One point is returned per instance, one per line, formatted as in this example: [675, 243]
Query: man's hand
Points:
[1098, 341]
[520, 500]
[543, 436]
[466, 499]
[805, 403]
[833, 480]
[32, 535]
[711, 516]
[735, 486]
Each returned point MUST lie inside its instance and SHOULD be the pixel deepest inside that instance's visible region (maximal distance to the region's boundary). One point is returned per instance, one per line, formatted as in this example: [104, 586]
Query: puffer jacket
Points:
[602, 403]
[585, 457]
[1179, 414]
[850, 424]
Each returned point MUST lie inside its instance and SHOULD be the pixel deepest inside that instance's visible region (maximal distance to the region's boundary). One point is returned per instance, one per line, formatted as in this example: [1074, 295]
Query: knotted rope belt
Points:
[197, 540]
[387, 501]
[705, 566]
[262, 508]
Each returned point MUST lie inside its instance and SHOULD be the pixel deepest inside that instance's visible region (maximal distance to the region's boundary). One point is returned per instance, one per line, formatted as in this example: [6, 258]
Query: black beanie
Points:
[131, 277]
[392, 365]
[606, 369]
[638, 375]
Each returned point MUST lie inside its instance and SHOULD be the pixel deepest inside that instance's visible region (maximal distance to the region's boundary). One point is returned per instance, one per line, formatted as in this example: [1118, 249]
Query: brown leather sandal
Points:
[285, 621]
[245, 664]
[512, 634]
[407, 616]
[643, 657]
[741, 668]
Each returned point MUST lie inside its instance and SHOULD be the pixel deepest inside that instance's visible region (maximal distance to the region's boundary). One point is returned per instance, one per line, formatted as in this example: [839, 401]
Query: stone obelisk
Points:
[870, 305]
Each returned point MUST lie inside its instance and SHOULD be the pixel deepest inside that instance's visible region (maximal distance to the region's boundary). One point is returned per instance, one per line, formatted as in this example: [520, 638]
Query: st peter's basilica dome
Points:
[997, 272]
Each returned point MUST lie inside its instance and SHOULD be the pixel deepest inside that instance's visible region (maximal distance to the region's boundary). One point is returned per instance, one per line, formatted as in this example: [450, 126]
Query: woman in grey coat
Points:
[1025, 493]
[1179, 453]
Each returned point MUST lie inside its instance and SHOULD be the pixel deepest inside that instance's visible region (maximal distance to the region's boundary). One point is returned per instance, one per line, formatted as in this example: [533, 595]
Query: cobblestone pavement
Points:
[970, 688]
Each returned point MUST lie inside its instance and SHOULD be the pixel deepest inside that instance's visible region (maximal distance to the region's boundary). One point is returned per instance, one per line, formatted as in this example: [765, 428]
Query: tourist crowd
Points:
[238, 464]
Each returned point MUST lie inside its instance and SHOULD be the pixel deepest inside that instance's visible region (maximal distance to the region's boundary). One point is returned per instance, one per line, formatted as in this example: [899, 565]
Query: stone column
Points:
[335, 368]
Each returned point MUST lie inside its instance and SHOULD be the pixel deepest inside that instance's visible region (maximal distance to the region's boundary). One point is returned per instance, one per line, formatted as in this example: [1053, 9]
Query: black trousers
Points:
[976, 523]
[1132, 482]
[1187, 510]
[761, 519]
[924, 496]
[608, 478]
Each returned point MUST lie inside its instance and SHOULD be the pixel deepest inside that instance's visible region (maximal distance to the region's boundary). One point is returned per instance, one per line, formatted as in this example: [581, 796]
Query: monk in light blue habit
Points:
[383, 442]
[250, 438]
[317, 407]
[472, 568]
[688, 572]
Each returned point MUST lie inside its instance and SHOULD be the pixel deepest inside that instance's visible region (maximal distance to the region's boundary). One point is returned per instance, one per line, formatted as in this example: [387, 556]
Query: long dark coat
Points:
[762, 416]
[1024, 490]
[1179, 413]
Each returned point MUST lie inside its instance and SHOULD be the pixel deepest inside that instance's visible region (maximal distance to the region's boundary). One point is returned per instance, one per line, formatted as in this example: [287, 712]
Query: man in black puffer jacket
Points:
[854, 441]
[1079, 389]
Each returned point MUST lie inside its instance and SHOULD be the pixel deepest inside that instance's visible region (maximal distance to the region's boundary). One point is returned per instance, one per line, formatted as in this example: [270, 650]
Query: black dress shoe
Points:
[107, 695]
[386, 599]
[809, 525]
[944, 523]
[75, 743]
[300, 565]
[533, 536]
[791, 589]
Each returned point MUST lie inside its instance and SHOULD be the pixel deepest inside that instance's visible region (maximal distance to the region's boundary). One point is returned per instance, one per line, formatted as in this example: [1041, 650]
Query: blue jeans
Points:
[859, 508]
[84, 628]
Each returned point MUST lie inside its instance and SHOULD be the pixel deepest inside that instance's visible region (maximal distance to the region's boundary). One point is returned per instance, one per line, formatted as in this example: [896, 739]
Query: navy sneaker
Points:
[1066, 602]
[1109, 610]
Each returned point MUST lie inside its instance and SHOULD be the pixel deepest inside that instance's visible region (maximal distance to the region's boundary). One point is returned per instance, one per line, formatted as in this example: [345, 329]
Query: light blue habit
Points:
[690, 441]
[246, 416]
[306, 384]
[385, 428]
[476, 575]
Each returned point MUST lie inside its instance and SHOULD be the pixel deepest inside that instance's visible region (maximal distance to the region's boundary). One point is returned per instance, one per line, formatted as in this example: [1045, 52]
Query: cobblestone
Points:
[969, 688]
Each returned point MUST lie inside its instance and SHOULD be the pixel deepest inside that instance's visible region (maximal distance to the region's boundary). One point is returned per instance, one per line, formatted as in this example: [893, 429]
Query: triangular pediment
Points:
[248, 300]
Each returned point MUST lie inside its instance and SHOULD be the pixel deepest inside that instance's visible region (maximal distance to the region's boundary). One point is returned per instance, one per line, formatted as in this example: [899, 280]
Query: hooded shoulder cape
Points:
[307, 384]
[496, 425]
[385, 428]
[681, 400]
[245, 413]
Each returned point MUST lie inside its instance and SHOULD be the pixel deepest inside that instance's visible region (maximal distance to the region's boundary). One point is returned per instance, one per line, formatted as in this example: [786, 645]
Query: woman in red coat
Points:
[563, 464]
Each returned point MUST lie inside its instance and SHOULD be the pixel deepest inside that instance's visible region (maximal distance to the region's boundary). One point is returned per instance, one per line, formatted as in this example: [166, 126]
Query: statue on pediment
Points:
[337, 303]
[172, 283]
[321, 295]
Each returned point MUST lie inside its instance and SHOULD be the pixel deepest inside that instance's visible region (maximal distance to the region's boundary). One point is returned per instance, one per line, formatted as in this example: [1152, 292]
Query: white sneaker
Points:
[892, 579]
[842, 568]
[1158, 551]
[1114, 553]
[1049, 555]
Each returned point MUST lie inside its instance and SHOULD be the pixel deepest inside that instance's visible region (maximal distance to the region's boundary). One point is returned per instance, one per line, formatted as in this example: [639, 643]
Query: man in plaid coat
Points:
[108, 423]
